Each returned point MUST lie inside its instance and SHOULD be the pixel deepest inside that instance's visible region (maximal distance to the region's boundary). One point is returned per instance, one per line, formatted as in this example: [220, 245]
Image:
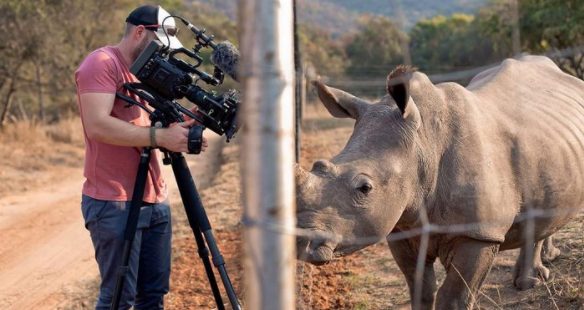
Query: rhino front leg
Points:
[549, 252]
[529, 269]
[405, 253]
[467, 263]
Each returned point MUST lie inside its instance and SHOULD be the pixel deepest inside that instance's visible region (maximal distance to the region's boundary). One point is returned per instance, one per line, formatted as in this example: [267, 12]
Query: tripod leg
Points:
[200, 224]
[187, 191]
[204, 255]
[220, 265]
[131, 225]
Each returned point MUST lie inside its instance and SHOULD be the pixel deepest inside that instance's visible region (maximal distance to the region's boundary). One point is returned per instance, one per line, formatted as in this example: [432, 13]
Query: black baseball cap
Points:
[152, 17]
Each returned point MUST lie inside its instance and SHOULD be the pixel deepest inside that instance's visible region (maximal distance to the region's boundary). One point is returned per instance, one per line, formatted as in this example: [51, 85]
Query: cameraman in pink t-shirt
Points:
[115, 134]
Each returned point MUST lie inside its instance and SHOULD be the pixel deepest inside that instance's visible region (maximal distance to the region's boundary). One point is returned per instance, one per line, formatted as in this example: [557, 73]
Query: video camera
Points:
[165, 78]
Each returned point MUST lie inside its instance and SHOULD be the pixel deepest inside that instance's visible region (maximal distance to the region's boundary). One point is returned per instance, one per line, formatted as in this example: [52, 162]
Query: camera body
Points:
[167, 78]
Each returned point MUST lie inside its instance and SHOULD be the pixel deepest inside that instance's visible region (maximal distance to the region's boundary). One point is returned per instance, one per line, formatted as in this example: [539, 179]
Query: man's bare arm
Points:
[99, 125]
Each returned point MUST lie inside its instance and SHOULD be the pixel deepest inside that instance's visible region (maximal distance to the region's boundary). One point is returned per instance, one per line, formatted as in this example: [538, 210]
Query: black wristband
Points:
[153, 137]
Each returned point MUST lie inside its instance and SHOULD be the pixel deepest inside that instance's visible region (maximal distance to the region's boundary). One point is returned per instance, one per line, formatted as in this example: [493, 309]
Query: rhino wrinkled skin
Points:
[476, 158]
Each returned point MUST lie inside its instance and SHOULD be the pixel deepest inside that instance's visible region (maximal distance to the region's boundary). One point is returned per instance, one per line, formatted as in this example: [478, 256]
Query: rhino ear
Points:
[339, 103]
[398, 87]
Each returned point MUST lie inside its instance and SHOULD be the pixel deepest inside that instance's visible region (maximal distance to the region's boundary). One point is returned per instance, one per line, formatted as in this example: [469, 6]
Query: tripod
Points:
[197, 217]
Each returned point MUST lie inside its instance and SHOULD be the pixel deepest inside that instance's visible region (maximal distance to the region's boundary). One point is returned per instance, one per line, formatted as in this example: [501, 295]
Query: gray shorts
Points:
[148, 278]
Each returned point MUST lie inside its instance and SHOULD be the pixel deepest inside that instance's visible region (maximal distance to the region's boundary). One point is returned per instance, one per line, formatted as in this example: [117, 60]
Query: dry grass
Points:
[67, 131]
[33, 134]
[28, 148]
[24, 132]
[565, 289]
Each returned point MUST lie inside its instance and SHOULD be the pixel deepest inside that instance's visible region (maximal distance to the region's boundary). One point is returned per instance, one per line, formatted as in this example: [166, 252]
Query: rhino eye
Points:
[365, 188]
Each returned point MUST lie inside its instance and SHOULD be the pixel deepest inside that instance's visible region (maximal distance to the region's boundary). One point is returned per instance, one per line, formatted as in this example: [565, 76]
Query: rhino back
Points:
[515, 140]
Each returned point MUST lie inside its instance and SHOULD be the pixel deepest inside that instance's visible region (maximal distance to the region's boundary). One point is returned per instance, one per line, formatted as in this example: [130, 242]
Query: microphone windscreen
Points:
[226, 57]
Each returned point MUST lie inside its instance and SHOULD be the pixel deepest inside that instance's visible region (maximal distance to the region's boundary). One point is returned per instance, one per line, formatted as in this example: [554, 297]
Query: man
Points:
[114, 137]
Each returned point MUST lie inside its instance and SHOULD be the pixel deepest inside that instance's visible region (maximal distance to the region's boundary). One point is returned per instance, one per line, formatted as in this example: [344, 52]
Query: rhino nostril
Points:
[321, 242]
[321, 252]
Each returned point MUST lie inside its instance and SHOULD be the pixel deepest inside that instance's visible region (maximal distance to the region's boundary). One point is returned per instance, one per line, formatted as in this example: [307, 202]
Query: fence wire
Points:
[424, 232]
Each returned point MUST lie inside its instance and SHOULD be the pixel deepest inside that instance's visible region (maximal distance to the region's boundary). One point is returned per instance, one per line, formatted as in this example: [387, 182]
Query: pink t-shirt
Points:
[110, 170]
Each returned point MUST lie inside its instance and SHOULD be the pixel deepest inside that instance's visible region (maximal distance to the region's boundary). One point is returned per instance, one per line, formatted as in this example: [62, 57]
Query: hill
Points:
[413, 10]
[340, 16]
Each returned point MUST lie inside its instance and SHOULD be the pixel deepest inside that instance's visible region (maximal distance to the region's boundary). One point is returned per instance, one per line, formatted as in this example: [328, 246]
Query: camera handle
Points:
[197, 218]
[195, 139]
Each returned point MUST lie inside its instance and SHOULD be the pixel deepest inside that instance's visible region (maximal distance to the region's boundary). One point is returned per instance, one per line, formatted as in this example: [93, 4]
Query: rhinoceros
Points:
[469, 162]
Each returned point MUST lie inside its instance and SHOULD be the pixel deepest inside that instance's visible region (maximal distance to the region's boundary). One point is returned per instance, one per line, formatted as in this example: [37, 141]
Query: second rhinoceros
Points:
[472, 161]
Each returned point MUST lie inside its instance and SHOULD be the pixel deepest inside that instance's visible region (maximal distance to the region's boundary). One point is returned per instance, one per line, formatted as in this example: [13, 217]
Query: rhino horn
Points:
[305, 190]
[300, 174]
[339, 103]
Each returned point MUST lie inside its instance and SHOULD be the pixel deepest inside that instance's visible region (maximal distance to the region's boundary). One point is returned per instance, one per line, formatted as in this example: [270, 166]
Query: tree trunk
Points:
[7, 97]
[7, 102]
[579, 69]
[40, 93]
[516, 34]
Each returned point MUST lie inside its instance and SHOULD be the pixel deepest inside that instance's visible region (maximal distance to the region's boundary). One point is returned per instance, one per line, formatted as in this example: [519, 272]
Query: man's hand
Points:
[204, 145]
[175, 137]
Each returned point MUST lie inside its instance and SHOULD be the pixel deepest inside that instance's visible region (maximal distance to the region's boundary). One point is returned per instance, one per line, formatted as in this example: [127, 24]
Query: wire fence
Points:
[423, 234]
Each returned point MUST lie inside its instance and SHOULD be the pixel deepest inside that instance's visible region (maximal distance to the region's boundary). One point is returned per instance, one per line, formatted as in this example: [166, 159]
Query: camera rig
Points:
[164, 78]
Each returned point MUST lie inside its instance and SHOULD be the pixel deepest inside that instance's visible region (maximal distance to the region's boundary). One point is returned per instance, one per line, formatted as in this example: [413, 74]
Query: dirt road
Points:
[45, 252]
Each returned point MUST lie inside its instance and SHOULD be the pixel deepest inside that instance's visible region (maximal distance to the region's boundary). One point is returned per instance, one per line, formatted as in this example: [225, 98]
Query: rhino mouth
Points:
[316, 253]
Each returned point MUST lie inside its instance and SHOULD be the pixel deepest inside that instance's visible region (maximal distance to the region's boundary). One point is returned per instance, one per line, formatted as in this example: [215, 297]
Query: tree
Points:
[321, 51]
[376, 49]
[18, 49]
[552, 26]
[443, 44]
[43, 43]
[546, 26]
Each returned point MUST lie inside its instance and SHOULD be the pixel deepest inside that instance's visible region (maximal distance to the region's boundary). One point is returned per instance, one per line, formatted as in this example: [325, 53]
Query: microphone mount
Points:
[202, 39]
